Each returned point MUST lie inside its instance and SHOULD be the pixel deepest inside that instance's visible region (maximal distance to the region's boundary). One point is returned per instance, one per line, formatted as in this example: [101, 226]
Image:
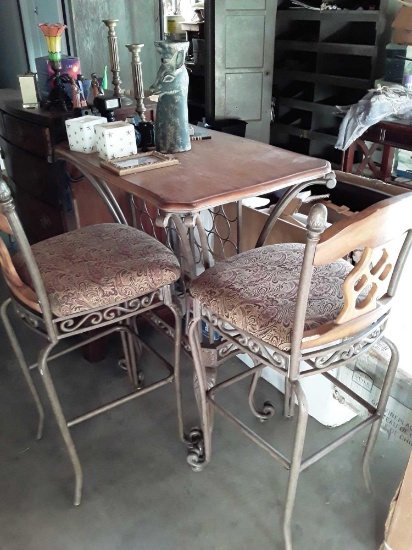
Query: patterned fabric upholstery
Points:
[99, 266]
[256, 292]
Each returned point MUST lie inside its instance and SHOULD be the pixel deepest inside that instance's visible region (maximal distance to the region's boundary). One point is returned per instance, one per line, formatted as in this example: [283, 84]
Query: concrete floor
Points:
[139, 494]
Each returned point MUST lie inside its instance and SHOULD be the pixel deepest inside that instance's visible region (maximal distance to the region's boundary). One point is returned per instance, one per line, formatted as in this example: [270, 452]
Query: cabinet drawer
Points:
[28, 136]
[32, 173]
[40, 220]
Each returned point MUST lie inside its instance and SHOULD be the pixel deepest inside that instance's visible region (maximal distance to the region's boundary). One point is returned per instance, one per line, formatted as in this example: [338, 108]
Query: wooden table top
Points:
[223, 169]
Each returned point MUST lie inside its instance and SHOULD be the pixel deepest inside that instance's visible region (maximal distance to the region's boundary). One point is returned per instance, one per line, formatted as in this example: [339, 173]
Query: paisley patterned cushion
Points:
[256, 291]
[99, 266]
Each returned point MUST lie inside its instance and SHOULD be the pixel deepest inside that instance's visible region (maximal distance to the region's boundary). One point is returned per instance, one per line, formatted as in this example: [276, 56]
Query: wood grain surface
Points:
[217, 171]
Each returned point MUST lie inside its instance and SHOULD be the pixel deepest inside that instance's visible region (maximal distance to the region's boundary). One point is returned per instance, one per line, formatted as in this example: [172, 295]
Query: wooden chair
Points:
[288, 303]
[97, 277]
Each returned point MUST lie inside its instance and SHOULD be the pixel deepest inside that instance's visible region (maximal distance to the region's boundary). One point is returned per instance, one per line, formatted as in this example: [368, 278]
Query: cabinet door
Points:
[244, 51]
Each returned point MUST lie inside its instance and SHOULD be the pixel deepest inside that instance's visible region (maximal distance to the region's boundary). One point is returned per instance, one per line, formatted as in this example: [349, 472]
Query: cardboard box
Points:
[403, 163]
[365, 377]
[291, 227]
[402, 26]
[398, 528]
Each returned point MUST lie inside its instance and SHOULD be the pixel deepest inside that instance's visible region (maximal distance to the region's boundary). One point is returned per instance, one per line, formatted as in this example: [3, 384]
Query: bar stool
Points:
[98, 277]
[303, 310]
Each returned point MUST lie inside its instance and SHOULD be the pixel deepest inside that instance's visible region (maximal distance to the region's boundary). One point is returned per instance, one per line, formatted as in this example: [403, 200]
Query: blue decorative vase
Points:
[172, 82]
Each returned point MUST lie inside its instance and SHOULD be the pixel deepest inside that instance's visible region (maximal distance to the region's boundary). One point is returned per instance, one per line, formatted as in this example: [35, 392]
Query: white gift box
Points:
[115, 140]
[80, 133]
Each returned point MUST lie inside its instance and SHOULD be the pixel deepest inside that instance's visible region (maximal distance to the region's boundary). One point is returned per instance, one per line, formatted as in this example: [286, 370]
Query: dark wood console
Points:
[49, 197]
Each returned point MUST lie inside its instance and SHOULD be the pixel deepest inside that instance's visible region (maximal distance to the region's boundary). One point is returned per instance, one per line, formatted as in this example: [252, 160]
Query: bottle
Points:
[407, 77]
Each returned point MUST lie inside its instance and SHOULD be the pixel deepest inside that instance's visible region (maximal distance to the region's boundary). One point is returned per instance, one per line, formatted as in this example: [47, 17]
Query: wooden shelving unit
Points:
[322, 59]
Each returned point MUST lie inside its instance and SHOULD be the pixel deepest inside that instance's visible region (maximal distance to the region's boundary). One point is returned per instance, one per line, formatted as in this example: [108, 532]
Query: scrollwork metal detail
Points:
[348, 352]
[32, 320]
[196, 449]
[246, 343]
[95, 318]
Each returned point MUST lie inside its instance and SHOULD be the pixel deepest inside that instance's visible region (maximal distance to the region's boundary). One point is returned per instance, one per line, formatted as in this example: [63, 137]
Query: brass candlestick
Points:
[135, 50]
[114, 56]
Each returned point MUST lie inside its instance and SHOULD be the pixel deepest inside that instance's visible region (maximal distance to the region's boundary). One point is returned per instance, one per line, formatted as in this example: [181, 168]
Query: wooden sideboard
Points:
[50, 197]
[388, 134]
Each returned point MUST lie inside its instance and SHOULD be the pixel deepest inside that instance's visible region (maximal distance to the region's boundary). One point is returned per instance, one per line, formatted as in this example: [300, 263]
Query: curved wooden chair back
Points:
[384, 233]
[19, 289]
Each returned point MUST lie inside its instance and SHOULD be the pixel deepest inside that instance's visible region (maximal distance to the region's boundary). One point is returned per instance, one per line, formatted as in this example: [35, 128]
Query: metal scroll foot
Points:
[140, 374]
[268, 409]
[196, 454]
[267, 412]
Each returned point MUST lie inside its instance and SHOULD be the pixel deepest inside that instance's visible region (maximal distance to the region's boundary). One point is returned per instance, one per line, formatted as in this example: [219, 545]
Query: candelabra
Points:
[135, 50]
[114, 60]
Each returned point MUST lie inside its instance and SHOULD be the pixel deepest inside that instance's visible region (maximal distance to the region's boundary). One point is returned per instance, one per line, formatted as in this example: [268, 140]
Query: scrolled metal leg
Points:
[296, 461]
[177, 343]
[380, 411]
[199, 441]
[23, 365]
[61, 421]
[268, 409]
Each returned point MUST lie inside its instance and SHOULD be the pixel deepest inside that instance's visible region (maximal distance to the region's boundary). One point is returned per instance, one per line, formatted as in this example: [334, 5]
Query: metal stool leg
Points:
[23, 365]
[61, 421]
[380, 410]
[296, 461]
[126, 361]
[289, 401]
[201, 451]
[177, 347]
[132, 350]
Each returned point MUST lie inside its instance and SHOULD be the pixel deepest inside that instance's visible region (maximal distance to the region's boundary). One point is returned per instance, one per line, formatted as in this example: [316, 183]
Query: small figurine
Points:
[97, 89]
[77, 104]
[58, 98]
[80, 84]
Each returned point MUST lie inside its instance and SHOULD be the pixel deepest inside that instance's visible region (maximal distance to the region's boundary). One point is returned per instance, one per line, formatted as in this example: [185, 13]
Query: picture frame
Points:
[29, 90]
[140, 162]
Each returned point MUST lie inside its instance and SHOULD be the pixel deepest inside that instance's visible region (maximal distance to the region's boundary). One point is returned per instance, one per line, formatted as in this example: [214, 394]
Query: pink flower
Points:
[52, 29]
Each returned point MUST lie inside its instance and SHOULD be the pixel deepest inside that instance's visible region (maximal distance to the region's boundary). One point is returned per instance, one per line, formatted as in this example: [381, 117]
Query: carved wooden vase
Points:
[171, 85]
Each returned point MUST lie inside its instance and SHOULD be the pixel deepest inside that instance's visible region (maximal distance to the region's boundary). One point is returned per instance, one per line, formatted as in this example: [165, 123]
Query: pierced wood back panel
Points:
[379, 230]
[375, 226]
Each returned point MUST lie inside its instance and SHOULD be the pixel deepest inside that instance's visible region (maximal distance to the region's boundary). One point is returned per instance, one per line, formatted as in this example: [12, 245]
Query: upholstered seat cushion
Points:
[99, 266]
[256, 292]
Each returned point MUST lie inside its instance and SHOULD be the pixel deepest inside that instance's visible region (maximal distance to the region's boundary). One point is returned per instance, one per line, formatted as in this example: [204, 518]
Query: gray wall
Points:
[13, 59]
[138, 23]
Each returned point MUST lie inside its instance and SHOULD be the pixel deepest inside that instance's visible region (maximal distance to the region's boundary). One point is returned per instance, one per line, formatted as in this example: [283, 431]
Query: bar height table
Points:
[215, 172]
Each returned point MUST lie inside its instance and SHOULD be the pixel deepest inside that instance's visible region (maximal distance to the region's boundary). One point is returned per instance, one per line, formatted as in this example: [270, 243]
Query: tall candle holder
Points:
[114, 60]
[135, 50]
[58, 97]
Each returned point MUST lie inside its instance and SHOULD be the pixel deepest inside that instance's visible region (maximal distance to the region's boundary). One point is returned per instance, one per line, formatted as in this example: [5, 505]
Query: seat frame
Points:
[33, 308]
[321, 359]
